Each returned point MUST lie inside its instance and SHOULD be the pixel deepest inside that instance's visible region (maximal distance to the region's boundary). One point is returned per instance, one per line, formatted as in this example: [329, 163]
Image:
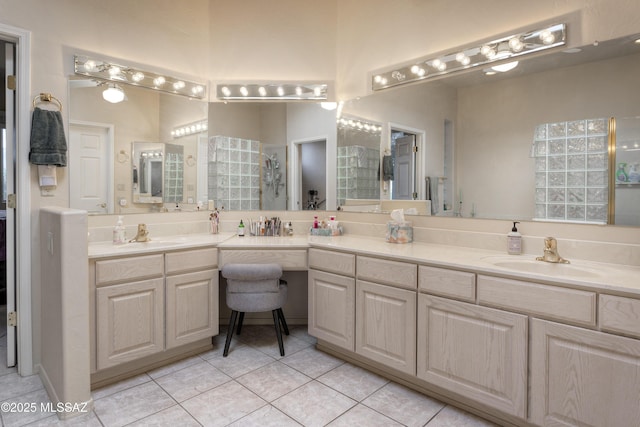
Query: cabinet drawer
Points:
[567, 305]
[620, 314]
[198, 259]
[448, 283]
[333, 262]
[400, 274]
[289, 259]
[129, 269]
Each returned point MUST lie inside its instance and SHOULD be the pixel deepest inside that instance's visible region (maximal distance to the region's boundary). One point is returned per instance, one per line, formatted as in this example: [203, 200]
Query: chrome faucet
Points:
[551, 252]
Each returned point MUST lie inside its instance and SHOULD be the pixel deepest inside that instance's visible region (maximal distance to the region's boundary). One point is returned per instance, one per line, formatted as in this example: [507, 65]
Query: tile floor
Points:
[253, 386]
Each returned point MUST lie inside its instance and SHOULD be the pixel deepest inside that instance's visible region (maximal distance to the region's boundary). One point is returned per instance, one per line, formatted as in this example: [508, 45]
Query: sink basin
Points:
[541, 267]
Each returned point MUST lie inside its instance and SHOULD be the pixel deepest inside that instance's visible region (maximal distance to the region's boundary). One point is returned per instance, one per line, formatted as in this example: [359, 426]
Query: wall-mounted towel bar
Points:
[47, 97]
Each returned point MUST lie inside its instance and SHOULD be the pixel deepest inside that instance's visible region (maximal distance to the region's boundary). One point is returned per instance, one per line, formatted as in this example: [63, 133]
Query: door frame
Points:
[420, 160]
[109, 128]
[295, 173]
[22, 39]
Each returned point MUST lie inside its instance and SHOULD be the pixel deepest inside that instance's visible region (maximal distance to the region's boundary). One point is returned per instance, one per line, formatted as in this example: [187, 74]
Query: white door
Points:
[90, 165]
[403, 176]
[9, 169]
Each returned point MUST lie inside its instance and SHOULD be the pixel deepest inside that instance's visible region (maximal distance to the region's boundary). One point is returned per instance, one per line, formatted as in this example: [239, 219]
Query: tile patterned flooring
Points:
[253, 386]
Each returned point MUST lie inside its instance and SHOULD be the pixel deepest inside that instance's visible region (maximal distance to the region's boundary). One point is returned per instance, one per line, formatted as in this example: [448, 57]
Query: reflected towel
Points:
[48, 143]
[433, 188]
[387, 168]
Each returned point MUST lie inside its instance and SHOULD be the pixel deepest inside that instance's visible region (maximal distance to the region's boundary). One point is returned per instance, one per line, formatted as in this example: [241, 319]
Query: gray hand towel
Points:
[387, 168]
[48, 143]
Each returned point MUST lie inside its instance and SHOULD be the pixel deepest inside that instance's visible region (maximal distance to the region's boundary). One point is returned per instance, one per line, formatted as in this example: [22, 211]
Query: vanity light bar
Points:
[352, 123]
[190, 129]
[109, 71]
[273, 91]
[478, 54]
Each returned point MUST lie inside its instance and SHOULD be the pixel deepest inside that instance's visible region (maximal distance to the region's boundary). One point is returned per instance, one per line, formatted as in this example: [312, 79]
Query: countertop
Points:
[581, 274]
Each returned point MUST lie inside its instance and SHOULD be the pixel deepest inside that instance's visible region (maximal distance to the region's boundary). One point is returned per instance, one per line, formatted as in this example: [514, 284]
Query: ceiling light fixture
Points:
[190, 128]
[107, 71]
[476, 54]
[113, 93]
[273, 91]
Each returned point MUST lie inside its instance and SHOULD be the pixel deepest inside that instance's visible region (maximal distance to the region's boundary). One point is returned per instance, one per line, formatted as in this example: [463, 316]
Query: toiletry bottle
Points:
[621, 173]
[315, 222]
[241, 229]
[514, 241]
[118, 232]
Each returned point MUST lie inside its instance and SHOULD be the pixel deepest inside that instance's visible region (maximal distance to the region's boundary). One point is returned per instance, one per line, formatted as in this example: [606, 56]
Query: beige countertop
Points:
[582, 274]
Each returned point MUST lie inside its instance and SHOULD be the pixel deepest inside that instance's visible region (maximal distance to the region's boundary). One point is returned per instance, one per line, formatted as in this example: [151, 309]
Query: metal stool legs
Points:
[278, 322]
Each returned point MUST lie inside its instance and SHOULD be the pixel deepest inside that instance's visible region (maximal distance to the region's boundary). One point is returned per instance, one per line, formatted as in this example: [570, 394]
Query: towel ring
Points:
[123, 157]
[190, 161]
[47, 97]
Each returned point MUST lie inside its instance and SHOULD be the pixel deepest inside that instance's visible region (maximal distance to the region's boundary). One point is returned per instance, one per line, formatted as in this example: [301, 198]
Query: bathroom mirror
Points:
[478, 130]
[100, 143]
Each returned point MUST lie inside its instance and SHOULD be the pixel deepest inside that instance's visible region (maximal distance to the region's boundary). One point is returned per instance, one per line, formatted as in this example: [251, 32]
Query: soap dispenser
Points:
[514, 241]
[119, 232]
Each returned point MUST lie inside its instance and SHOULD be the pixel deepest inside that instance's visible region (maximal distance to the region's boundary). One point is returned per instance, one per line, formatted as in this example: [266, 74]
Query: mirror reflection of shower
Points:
[314, 202]
[274, 177]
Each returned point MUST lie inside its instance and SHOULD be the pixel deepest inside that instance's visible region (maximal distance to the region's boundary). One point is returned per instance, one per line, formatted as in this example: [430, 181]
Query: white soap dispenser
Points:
[514, 241]
[119, 232]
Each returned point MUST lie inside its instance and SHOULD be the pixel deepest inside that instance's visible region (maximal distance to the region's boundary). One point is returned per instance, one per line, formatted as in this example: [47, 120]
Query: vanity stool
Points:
[255, 288]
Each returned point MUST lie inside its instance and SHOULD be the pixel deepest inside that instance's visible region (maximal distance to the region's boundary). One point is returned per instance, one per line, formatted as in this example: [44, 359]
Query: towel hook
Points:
[47, 97]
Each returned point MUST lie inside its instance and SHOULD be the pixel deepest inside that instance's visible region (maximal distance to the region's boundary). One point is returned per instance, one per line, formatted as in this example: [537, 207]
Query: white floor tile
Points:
[314, 404]
[267, 416]
[240, 360]
[223, 405]
[273, 380]
[355, 382]
[403, 405]
[312, 362]
[171, 417]
[132, 404]
[453, 417]
[120, 386]
[362, 415]
[13, 385]
[192, 380]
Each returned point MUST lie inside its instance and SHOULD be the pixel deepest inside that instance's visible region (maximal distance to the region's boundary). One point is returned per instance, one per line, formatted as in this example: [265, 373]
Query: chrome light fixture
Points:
[123, 74]
[273, 91]
[113, 93]
[496, 53]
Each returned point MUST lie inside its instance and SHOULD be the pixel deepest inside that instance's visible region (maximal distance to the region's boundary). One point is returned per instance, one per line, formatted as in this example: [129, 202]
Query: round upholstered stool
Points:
[255, 288]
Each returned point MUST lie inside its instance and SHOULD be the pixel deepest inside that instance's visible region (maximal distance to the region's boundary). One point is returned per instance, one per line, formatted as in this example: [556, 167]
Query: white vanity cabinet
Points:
[192, 296]
[583, 377]
[386, 312]
[477, 352]
[144, 305]
[129, 311]
[331, 303]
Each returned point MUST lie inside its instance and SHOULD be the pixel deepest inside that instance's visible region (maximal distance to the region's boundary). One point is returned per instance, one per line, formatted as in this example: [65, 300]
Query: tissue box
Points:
[399, 232]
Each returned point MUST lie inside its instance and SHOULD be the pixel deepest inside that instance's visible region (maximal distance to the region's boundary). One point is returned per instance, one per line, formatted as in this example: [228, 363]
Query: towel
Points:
[433, 188]
[387, 168]
[48, 143]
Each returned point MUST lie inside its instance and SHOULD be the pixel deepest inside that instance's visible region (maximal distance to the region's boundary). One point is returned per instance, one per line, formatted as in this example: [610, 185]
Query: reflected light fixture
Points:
[190, 128]
[496, 55]
[113, 93]
[107, 71]
[272, 91]
[353, 123]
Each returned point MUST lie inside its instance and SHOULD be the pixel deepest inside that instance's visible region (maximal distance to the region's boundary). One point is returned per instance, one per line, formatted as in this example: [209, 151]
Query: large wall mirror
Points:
[478, 136]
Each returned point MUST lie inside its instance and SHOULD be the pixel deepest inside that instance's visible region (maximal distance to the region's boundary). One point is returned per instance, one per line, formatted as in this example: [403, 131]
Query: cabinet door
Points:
[386, 325]
[477, 352]
[192, 307]
[129, 321]
[332, 308]
[582, 377]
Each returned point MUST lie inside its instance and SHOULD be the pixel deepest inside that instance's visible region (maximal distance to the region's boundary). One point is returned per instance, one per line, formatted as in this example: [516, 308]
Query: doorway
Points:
[309, 172]
[7, 284]
[403, 151]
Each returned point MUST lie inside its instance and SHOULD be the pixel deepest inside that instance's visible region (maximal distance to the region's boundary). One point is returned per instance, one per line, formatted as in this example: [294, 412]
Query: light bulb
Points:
[159, 81]
[137, 77]
[262, 91]
[225, 91]
[244, 91]
[113, 94]
[280, 91]
[114, 70]
[178, 85]
[298, 90]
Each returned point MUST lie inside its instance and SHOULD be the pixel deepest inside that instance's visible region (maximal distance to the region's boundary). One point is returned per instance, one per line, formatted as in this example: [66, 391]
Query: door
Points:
[404, 178]
[90, 166]
[7, 224]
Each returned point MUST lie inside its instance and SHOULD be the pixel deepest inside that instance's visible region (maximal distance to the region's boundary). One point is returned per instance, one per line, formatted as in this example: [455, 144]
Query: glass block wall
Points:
[358, 169]
[571, 167]
[234, 173]
[173, 174]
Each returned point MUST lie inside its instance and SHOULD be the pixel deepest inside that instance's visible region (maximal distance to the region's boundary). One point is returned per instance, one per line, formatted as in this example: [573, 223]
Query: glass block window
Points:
[571, 171]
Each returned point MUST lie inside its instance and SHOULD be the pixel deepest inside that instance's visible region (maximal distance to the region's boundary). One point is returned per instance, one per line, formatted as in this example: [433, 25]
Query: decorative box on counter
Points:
[326, 231]
[399, 232]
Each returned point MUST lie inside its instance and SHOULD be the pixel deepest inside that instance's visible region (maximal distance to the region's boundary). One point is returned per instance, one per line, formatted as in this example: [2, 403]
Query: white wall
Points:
[377, 33]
